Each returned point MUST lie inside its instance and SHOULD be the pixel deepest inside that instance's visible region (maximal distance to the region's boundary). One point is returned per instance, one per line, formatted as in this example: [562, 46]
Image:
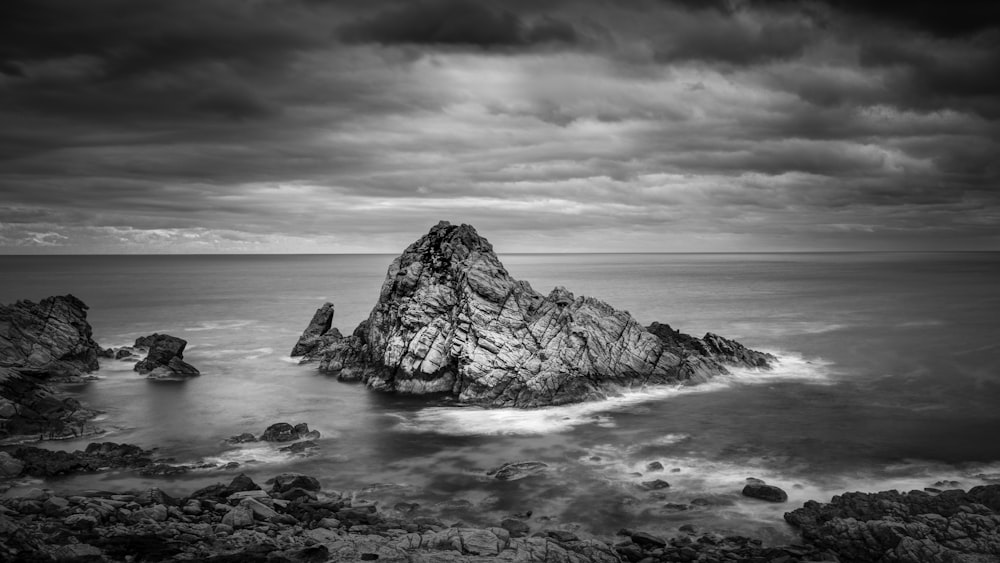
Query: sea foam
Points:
[469, 421]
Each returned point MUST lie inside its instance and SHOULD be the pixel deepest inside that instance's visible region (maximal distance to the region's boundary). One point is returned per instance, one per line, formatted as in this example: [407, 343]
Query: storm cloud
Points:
[654, 125]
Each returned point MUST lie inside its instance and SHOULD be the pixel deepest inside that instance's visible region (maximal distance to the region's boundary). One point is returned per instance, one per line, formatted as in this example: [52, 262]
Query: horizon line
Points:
[56, 255]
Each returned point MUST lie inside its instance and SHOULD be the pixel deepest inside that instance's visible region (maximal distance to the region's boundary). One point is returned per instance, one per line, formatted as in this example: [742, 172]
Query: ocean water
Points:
[889, 378]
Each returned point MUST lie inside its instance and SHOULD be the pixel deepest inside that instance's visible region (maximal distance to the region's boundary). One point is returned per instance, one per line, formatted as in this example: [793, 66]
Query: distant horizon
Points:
[150, 254]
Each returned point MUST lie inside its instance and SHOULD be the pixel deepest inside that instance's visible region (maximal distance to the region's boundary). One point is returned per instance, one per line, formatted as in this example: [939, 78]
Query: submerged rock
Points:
[519, 470]
[450, 319]
[165, 359]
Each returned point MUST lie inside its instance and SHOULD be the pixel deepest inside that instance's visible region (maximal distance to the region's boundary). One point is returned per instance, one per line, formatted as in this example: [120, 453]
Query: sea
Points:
[889, 378]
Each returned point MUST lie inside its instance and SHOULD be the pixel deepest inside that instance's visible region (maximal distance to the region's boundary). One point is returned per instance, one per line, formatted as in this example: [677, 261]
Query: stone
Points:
[10, 466]
[654, 466]
[41, 342]
[518, 470]
[80, 521]
[51, 338]
[259, 510]
[769, 493]
[280, 432]
[288, 481]
[655, 485]
[894, 527]
[516, 528]
[319, 326]
[239, 516]
[647, 541]
[242, 438]
[165, 359]
[450, 319]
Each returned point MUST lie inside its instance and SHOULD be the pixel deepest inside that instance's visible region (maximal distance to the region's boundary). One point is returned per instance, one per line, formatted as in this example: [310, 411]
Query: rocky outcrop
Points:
[319, 332]
[893, 527]
[41, 462]
[278, 432]
[297, 520]
[49, 338]
[29, 407]
[165, 359]
[450, 319]
[40, 343]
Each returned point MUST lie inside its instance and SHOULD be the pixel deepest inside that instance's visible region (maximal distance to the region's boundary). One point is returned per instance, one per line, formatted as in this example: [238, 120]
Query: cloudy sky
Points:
[639, 125]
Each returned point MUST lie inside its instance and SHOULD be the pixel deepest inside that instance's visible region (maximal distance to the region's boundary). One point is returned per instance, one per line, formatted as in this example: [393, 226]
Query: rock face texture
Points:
[51, 338]
[165, 358]
[450, 319]
[38, 342]
[893, 527]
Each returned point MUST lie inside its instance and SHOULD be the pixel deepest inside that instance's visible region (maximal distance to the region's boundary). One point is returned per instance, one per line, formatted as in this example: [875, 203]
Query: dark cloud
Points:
[348, 125]
[456, 22]
[944, 19]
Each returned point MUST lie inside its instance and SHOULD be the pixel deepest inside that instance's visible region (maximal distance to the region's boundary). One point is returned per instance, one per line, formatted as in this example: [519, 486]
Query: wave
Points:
[471, 421]
[226, 324]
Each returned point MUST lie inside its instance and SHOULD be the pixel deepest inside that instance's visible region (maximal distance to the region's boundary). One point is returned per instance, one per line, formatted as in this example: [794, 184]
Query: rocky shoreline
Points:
[296, 519]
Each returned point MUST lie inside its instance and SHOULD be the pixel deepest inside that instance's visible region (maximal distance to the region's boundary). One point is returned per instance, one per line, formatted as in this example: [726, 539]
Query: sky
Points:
[306, 126]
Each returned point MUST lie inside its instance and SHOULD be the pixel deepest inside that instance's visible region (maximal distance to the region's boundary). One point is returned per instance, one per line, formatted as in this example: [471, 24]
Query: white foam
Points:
[468, 421]
[251, 454]
[220, 325]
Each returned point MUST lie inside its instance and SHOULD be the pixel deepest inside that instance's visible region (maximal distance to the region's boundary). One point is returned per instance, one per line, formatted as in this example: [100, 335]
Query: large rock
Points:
[50, 338]
[450, 319]
[165, 359]
[319, 327]
[28, 406]
[893, 527]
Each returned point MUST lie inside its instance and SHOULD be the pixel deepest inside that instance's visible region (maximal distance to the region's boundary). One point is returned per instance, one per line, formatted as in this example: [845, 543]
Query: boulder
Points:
[165, 359]
[288, 481]
[761, 491]
[285, 432]
[450, 319]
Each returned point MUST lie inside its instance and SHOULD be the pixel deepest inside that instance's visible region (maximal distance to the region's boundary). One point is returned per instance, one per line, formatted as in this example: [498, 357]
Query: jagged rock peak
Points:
[450, 319]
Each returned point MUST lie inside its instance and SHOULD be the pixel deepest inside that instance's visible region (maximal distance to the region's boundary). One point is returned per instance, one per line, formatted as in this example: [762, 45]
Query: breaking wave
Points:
[470, 421]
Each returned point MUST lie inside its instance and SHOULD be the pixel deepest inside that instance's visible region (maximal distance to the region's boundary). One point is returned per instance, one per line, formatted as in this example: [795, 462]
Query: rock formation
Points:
[49, 338]
[165, 359]
[893, 527]
[450, 319]
[39, 342]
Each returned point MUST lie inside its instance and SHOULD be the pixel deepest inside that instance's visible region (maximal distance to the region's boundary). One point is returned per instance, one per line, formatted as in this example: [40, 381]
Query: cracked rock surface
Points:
[450, 319]
[40, 342]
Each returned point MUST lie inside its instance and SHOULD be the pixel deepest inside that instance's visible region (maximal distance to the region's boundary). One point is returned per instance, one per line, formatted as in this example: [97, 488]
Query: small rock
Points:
[287, 481]
[769, 493]
[647, 541]
[517, 528]
[654, 466]
[80, 521]
[518, 470]
[9, 465]
[655, 485]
